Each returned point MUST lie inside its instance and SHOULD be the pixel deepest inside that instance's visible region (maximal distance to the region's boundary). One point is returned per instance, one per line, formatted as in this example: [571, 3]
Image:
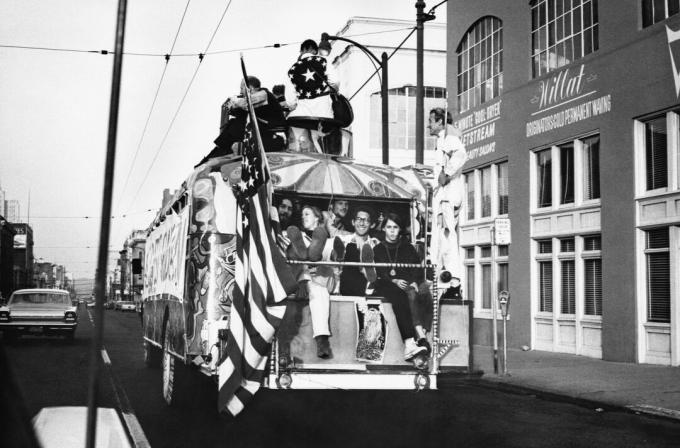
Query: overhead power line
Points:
[179, 107]
[171, 55]
[153, 104]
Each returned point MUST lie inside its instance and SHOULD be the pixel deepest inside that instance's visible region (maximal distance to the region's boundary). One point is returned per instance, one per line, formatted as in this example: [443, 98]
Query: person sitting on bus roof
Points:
[354, 279]
[310, 76]
[400, 285]
[308, 245]
[267, 110]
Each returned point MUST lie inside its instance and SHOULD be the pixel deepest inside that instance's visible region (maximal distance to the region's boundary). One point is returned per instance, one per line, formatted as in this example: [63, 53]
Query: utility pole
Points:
[421, 18]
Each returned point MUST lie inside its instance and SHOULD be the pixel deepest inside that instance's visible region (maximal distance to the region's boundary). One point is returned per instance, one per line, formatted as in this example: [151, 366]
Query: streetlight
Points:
[325, 46]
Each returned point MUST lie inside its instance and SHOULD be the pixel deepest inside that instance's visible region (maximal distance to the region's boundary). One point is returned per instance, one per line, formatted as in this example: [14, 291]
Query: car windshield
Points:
[41, 298]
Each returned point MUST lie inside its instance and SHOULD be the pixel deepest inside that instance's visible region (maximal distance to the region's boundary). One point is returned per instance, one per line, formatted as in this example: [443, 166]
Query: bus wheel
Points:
[172, 376]
[152, 355]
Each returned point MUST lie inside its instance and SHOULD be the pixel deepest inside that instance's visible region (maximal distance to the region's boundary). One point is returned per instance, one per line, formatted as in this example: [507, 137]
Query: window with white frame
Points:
[545, 276]
[480, 63]
[487, 191]
[479, 263]
[657, 257]
[654, 11]
[567, 276]
[470, 194]
[571, 261]
[563, 170]
[592, 275]
[562, 31]
[485, 263]
[470, 273]
[656, 153]
[502, 185]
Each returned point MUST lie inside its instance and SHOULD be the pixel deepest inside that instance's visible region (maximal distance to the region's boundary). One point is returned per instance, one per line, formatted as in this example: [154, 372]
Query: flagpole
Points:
[253, 119]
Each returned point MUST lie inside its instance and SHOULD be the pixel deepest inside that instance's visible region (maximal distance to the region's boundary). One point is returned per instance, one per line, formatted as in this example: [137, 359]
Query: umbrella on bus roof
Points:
[312, 173]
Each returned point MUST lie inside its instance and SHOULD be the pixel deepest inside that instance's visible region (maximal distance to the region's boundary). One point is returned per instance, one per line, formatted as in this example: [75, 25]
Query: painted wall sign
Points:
[569, 88]
[479, 130]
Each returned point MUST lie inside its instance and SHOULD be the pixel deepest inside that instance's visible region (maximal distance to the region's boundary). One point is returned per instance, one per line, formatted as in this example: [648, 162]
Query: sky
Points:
[54, 105]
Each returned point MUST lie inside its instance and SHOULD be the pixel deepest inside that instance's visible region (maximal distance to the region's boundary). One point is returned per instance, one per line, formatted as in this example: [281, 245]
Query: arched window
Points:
[480, 63]
[562, 31]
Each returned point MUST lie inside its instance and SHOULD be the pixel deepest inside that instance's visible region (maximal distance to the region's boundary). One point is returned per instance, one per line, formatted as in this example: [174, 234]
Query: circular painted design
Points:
[377, 188]
[274, 159]
[276, 179]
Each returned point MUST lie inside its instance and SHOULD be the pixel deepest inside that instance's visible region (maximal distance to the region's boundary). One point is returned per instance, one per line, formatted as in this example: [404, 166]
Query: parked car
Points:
[110, 305]
[127, 306]
[39, 311]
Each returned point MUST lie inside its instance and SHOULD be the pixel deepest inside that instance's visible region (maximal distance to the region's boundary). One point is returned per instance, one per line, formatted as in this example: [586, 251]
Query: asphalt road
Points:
[53, 372]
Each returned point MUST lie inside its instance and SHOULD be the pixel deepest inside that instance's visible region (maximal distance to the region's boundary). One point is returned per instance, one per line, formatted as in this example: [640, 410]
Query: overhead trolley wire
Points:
[153, 104]
[179, 107]
[171, 55]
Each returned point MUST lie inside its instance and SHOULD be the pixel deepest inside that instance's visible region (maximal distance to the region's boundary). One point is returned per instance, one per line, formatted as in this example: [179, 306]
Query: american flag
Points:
[263, 280]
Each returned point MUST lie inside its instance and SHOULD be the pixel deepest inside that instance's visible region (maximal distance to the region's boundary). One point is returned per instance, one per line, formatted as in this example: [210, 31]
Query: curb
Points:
[598, 406]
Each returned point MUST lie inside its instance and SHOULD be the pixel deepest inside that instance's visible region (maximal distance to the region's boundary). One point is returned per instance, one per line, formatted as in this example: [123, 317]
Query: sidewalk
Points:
[644, 388]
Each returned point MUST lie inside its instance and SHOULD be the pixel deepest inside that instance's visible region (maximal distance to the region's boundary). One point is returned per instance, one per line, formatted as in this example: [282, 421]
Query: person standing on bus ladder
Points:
[267, 110]
[448, 194]
[309, 246]
[353, 279]
[310, 77]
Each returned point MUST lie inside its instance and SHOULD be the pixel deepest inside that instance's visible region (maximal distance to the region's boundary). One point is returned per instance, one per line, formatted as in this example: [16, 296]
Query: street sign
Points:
[501, 231]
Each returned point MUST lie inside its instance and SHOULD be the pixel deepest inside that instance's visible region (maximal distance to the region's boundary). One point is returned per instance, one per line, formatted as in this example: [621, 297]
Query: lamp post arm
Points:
[358, 45]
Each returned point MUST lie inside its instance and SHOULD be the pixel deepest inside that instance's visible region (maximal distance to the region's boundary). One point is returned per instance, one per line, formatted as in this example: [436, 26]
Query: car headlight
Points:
[70, 316]
[4, 316]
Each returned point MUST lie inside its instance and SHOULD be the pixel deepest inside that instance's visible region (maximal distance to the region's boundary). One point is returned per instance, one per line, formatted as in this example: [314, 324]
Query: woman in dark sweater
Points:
[397, 284]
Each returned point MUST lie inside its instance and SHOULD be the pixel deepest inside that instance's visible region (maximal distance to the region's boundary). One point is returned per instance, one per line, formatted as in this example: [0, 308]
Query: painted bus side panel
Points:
[165, 268]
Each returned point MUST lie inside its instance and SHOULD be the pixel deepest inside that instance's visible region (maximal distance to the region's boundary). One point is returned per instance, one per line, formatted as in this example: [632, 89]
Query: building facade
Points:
[354, 68]
[13, 210]
[570, 115]
[134, 265]
[23, 255]
[6, 258]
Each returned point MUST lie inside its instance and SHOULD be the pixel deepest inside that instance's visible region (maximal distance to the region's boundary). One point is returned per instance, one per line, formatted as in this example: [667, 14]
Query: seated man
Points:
[267, 110]
[353, 279]
[336, 218]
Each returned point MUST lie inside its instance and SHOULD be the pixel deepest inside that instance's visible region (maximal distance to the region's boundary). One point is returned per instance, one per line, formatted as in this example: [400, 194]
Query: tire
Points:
[152, 355]
[174, 382]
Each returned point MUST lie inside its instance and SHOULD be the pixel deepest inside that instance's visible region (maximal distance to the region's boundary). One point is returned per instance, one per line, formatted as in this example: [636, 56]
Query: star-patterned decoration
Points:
[308, 75]
[253, 174]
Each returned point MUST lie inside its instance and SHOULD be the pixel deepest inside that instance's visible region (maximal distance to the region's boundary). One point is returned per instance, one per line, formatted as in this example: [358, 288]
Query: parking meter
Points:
[504, 302]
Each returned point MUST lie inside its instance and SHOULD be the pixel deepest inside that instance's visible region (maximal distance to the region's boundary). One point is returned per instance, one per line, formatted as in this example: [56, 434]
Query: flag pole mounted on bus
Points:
[262, 277]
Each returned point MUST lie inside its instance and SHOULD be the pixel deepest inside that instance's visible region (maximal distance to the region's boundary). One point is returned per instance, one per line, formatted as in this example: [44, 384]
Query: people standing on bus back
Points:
[448, 194]
[308, 246]
[310, 76]
[354, 279]
[267, 110]
[399, 286]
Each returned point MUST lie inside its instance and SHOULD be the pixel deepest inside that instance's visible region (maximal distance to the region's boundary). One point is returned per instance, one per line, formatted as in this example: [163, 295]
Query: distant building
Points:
[13, 210]
[354, 68]
[134, 264]
[2, 202]
[6, 257]
[23, 255]
[44, 275]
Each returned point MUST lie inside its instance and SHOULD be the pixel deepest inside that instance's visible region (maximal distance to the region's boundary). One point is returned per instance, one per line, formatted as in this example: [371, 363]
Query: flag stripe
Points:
[263, 280]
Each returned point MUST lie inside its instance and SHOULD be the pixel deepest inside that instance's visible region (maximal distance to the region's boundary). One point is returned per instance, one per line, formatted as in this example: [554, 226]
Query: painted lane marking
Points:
[105, 357]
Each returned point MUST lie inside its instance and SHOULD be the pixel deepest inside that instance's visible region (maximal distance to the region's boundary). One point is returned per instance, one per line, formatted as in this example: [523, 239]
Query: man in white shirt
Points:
[448, 194]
